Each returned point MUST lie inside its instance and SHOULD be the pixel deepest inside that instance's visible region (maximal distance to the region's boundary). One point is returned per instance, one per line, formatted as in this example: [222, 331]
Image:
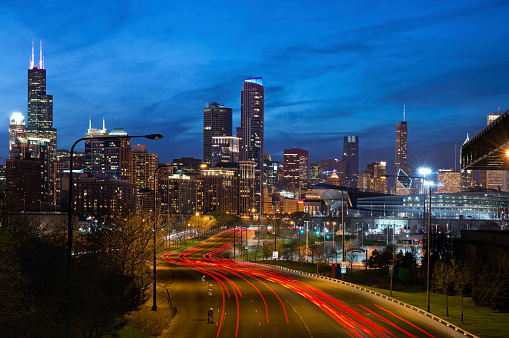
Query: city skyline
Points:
[323, 80]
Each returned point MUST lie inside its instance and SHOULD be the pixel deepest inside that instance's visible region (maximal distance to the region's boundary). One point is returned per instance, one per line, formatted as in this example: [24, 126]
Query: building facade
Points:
[295, 168]
[225, 149]
[178, 194]
[351, 158]
[217, 121]
[401, 156]
[218, 190]
[101, 196]
[332, 165]
[144, 167]
[40, 105]
[448, 181]
[112, 157]
[17, 129]
[252, 132]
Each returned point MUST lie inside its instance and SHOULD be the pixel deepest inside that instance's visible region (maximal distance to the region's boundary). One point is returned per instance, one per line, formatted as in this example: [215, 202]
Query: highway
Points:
[251, 300]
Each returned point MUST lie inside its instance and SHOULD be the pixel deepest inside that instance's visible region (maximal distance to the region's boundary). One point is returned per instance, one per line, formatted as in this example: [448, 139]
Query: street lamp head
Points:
[424, 171]
[154, 136]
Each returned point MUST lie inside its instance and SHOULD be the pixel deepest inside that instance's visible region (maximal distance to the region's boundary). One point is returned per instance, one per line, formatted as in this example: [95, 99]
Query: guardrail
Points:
[412, 307]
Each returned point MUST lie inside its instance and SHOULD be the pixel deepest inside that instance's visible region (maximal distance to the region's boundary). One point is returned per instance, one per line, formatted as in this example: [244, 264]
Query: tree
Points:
[125, 244]
[226, 219]
[407, 266]
[14, 310]
[268, 247]
[388, 254]
[350, 255]
[443, 279]
[202, 223]
[462, 282]
[375, 260]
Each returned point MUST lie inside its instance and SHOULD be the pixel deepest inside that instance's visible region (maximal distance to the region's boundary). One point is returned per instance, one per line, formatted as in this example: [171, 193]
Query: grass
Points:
[480, 321]
[128, 332]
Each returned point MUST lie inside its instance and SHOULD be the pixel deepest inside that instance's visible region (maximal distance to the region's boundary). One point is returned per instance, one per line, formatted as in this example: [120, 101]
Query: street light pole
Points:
[425, 172]
[154, 304]
[275, 241]
[343, 234]
[69, 217]
[428, 279]
[307, 239]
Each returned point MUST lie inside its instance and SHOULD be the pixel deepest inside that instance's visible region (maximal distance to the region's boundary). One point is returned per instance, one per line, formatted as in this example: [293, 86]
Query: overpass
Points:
[488, 149]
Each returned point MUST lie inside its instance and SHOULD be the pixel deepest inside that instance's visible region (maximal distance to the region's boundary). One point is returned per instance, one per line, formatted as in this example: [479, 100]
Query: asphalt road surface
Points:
[250, 300]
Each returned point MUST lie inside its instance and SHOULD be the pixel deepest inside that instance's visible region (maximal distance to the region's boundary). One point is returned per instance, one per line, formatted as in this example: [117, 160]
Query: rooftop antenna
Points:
[41, 60]
[104, 126]
[32, 58]
[404, 106]
[89, 123]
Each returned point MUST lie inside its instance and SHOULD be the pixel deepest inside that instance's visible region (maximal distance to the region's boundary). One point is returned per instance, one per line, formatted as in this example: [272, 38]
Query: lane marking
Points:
[301, 319]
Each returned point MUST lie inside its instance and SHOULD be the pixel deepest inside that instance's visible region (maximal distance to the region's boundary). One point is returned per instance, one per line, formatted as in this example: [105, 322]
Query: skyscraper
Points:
[351, 158]
[333, 165]
[251, 132]
[40, 107]
[112, 157]
[401, 155]
[295, 168]
[217, 121]
[17, 129]
[448, 181]
[225, 149]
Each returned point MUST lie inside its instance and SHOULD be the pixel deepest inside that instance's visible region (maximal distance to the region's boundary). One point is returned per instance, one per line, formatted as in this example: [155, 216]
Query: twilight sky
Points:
[330, 69]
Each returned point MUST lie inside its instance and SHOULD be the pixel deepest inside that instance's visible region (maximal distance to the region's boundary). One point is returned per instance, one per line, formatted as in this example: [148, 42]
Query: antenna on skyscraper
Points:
[404, 112]
[32, 58]
[104, 126]
[89, 123]
[41, 60]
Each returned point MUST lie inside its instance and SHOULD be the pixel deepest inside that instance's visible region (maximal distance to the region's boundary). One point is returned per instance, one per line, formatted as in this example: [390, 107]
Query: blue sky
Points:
[330, 69]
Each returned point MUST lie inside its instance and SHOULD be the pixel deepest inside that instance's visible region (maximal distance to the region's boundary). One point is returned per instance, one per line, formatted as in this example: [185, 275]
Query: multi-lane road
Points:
[251, 300]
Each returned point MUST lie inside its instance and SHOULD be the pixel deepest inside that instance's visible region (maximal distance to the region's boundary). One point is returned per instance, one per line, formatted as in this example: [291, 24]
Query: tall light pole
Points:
[425, 172]
[428, 279]
[69, 216]
[154, 304]
[307, 238]
[343, 227]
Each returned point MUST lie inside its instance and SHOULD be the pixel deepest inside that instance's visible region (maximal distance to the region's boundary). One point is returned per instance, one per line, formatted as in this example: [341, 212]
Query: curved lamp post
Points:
[70, 210]
[154, 305]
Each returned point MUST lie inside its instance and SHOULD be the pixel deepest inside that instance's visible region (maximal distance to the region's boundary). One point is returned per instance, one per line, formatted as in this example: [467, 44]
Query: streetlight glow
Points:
[424, 171]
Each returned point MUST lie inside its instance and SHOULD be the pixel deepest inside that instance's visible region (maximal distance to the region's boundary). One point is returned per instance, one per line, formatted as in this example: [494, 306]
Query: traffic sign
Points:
[343, 266]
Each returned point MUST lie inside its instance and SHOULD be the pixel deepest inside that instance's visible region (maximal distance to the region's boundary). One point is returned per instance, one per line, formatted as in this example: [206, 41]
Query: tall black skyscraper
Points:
[40, 107]
[351, 158]
[251, 132]
[401, 155]
[217, 121]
